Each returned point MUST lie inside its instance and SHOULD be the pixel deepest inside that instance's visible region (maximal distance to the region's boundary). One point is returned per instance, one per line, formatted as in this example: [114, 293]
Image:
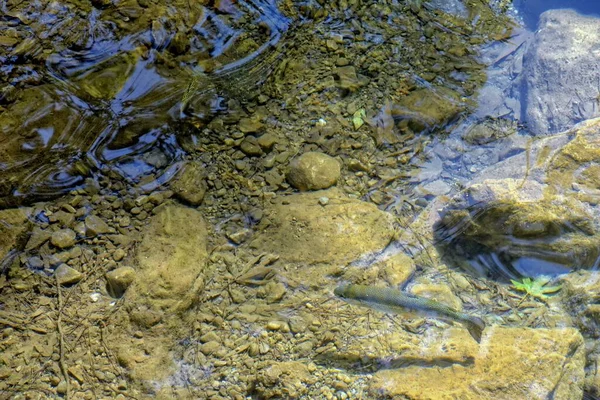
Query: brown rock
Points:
[397, 269]
[440, 293]
[118, 280]
[349, 79]
[289, 380]
[299, 228]
[94, 226]
[63, 238]
[171, 258]
[511, 363]
[37, 238]
[313, 171]
[13, 223]
[249, 125]
[251, 147]
[67, 275]
[189, 184]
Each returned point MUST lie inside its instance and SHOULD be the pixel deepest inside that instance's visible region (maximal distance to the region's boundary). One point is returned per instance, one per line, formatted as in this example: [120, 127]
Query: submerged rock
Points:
[581, 292]
[67, 275]
[562, 54]
[171, 258]
[288, 380]
[13, 223]
[495, 231]
[396, 269]
[298, 228]
[63, 238]
[94, 226]
[189, 184]
[427, 108]
[534, 213]
[118, 280]
[511, 363]
[313, 171]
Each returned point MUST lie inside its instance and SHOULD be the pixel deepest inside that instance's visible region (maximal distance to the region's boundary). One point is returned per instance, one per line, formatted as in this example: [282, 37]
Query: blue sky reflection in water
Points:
[530, 10]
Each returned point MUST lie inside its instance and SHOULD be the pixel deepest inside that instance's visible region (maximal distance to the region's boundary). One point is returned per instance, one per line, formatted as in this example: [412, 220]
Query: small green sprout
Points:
[536, 287]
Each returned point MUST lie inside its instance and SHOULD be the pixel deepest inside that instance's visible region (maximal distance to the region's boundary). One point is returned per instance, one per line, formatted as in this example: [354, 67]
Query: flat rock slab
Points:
[510, 363]
[305, 228]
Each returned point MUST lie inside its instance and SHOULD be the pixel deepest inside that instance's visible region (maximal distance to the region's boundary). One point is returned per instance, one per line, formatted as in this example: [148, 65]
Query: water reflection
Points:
[112, 86]
[504, 240]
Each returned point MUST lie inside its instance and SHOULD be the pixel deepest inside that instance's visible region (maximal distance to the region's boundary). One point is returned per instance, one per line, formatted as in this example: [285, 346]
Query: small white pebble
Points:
[95, 297]
[321, 122]
[323, 200]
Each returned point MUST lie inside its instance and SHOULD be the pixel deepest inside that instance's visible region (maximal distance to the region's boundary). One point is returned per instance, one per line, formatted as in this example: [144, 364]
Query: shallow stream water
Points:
[157, 244]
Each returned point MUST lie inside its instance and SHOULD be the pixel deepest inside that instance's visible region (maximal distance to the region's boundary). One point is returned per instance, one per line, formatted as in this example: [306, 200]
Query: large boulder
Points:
[511, 363]
[171, 260]
[324, 226]
[533, 213]
[561, 81]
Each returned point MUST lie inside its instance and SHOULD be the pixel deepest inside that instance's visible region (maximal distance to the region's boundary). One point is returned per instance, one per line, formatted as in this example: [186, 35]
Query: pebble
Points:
[67, 275]
[253, 349]
[189, 184]
[37, 238]
[250, 147]
[80, 228]
[61, 388]
[267, 141]
[263, 348]
[94, 225]
[276, 291]
[63, 238]
[274, 325]
[240, 236]
[209, 337]
[249, 125]
[297, 324]
[118, 280]
[124, 221]
[313, 171]
[210, 347]
[119, 254]
[305, 347]
[35, 262]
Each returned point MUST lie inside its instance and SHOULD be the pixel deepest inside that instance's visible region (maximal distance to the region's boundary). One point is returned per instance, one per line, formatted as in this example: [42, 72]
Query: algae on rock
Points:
[171, 261]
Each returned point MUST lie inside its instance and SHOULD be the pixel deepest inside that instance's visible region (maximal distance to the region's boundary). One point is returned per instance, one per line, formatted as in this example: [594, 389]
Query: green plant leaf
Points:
[536, 287]
[358, 119]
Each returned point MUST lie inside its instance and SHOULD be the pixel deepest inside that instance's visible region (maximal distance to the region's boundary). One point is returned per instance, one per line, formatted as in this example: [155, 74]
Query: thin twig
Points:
[61, 360]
